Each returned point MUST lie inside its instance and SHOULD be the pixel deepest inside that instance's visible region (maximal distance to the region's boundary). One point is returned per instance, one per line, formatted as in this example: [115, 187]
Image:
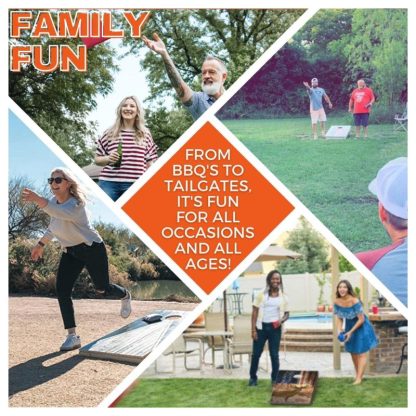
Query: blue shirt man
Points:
[199, 103]
[316, 94]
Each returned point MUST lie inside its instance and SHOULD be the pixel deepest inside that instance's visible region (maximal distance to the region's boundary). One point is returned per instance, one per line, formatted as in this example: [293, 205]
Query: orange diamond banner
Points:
[208, 207]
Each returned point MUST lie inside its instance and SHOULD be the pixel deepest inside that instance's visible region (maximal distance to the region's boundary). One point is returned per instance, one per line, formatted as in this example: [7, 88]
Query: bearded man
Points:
[213, 71]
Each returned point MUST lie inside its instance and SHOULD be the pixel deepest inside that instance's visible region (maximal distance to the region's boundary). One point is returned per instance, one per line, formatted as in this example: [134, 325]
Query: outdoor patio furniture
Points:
[179, 346]
[400, 121]
[214, 321]
[236, 299]
[402, 330]
[209, 337]
[242, 343]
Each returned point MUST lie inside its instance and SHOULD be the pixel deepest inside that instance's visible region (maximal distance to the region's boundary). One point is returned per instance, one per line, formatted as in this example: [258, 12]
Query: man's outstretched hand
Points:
[157, 45]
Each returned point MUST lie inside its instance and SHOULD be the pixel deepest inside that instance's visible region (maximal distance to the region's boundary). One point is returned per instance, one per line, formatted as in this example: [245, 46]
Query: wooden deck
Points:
[133, 342]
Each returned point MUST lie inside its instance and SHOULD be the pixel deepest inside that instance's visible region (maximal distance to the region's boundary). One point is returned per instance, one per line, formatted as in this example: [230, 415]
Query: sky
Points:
[129, 80]
[29, 157]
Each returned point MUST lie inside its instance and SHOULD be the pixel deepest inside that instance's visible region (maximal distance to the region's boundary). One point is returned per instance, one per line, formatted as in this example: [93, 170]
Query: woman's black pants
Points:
[273, 336]
[95, 259]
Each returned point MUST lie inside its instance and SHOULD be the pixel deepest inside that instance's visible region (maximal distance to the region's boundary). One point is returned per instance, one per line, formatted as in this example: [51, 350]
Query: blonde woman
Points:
[125, 150]
[82, 247]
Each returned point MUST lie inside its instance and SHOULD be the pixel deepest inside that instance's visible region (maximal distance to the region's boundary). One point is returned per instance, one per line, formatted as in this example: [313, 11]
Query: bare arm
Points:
[107, 159]
[31, 196]
[285, 317]
[359, 322]
[180, 86]
[37, 251]
[373, 99]
[350, 105]
[339, 323]
[254, 315]
[306, 84]
[328, 101]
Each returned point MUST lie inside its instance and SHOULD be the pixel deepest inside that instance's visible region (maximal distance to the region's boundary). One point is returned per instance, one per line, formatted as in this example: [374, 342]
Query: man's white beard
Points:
[211, 89]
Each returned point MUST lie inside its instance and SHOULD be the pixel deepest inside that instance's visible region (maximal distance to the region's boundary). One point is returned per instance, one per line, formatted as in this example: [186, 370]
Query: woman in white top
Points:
[82, 247]
[270, 311]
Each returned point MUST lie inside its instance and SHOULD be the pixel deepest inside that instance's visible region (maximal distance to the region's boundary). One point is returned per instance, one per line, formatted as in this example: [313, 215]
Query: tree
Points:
[25, 220]
[313, 248]
[326, 33]
[238, 37]
[338, 47]
[345, 265]
[121, 240]
[59, 102]
[377, 51]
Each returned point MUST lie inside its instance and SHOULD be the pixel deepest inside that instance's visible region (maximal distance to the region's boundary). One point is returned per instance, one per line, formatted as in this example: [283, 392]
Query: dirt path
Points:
[40, 375]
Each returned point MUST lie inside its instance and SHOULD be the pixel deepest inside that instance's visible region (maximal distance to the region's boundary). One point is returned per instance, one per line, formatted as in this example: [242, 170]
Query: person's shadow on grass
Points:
[33, 372]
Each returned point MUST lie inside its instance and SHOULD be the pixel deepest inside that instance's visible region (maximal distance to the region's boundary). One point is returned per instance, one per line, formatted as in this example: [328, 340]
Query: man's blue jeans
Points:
[273, 336]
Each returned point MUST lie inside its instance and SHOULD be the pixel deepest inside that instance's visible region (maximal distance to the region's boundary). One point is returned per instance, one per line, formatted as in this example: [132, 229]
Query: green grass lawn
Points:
[329, 176]
[330, 392]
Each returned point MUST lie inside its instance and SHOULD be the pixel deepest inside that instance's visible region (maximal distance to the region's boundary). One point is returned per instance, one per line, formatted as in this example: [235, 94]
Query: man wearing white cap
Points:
[316, 106]
[389, 263]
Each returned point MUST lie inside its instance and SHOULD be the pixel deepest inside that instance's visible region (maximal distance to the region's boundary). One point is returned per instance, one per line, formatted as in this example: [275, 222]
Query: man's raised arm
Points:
[180, 86]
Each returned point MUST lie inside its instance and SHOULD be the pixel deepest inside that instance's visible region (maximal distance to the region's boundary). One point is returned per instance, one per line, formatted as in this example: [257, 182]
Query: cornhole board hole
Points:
[294, 387]
[133, 342]
[338, 132]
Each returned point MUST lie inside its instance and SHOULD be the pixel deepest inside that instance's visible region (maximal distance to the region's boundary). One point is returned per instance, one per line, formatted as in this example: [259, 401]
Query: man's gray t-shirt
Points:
[316, 95]
[200, 103]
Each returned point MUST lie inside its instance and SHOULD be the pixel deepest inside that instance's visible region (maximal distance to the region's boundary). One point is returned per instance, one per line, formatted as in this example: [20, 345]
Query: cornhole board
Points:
[338, 132]
[133, 342]
[294, 387]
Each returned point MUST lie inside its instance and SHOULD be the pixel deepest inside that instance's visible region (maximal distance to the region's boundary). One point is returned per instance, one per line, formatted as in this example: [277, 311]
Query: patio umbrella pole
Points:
[225, 311]
[334, 281]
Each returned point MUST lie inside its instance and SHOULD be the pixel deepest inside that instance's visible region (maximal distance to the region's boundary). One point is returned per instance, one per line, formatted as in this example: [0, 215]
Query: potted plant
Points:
[321, 280]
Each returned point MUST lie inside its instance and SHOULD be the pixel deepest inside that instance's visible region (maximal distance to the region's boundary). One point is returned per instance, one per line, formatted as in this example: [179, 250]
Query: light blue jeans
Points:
[114, 189]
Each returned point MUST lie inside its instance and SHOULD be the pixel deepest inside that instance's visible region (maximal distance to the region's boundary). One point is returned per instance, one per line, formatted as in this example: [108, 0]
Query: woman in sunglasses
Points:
[82, 247]
[125, 150]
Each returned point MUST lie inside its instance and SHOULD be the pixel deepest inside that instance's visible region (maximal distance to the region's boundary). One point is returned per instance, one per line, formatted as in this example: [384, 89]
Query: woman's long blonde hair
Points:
[113, 132]
[75, 189]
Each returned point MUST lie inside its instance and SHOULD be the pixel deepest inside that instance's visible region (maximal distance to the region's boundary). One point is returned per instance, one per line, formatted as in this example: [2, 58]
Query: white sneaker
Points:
[72, 342]
[125, 310]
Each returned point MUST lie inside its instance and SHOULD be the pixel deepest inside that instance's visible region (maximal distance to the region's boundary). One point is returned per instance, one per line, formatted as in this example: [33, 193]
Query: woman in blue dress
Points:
[358, 334]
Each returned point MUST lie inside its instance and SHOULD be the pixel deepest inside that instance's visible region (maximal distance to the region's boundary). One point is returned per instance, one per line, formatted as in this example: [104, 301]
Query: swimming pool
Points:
[310, 320]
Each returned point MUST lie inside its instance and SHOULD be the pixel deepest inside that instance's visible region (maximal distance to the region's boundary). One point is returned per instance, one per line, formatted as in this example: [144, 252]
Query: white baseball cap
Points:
[390, 186]
[314, 80]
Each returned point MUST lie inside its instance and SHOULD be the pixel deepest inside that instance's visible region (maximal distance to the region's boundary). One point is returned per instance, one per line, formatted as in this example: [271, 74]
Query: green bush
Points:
[27, 276]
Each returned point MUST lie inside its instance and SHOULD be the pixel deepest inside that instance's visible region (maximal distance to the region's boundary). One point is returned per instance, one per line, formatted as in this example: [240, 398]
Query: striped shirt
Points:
[134, 159]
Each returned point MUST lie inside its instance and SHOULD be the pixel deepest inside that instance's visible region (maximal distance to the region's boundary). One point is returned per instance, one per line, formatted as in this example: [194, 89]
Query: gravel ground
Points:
[40, 375]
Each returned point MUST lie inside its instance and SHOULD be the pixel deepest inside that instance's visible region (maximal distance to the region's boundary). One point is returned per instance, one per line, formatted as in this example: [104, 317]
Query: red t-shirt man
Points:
[362, 98]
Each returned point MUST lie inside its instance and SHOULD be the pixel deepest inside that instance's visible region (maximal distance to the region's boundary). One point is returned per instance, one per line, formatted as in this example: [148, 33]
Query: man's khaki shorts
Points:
[318, 115]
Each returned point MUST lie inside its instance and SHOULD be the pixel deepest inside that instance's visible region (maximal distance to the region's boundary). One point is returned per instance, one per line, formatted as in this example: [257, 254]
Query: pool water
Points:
[312, 318]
